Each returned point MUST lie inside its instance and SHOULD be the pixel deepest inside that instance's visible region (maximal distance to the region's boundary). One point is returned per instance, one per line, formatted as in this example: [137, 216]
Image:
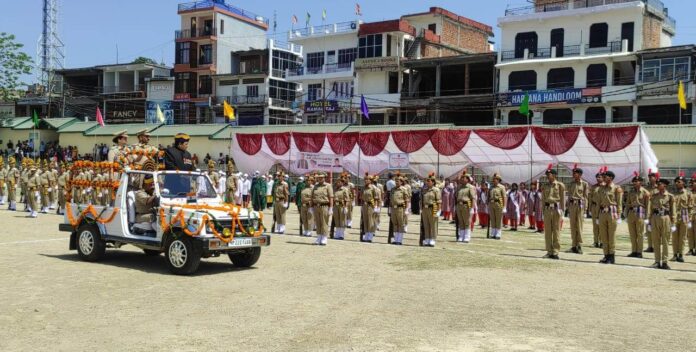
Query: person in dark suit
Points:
[177, 157]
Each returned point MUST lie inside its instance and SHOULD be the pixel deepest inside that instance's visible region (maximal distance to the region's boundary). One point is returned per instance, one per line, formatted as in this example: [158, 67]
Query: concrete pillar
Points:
[136, 78]
[635, 112]
[438, 80]
[610, 73]
[117, 82]
[467, 79]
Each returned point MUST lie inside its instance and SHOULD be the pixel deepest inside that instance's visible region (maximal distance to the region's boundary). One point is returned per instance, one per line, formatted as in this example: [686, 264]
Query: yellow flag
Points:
[682, 96]
[228, 110]
[160, 115]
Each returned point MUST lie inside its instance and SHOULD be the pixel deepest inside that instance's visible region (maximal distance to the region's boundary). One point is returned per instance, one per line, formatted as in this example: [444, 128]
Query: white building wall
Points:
[238, 36]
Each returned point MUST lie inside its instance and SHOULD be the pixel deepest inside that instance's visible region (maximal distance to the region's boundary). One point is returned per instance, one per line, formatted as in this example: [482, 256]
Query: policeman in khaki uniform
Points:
[141, 150]
[552, 199]
[497, 203]
[281, 197]
[61, 184]
[691, 235]
[3, 177]
[398, 203]
[322, 202]
[340, 210]
[45, 187]
[120, 151]
[306, 211]
[610, 209]
[465, 208]
[379, 200]
[24, 181]
[594, 209]
[431, 200]
[682, 217]
[637, 208]
[32, 186]
[662, 210]
[651, 187]
[409, 195]
[145, 201]
[370, 205]
[52, 175]
[12, 178]
[578, 193]
[214, 176]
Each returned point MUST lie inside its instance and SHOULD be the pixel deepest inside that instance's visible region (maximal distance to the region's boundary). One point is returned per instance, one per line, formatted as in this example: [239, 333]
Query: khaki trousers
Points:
[463, 216]
[429, 224]
[636, 227]
[496, 216]
[397, 218]
[279, 212]
[577, 214]
[678, 238]
[307, 218]
[607, 233]
[552, 230]
[660, 237]
[321, 220]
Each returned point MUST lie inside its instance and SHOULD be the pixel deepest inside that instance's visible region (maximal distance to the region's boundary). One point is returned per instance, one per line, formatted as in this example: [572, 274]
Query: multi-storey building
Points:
[257, 87]
[210, 30]
[578, 60]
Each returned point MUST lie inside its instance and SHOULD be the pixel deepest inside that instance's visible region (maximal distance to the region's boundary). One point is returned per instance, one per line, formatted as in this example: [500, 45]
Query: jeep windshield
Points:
[185, 186]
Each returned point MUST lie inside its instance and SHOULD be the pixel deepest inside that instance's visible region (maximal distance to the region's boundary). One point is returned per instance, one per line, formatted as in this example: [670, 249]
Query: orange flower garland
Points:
[89, 210]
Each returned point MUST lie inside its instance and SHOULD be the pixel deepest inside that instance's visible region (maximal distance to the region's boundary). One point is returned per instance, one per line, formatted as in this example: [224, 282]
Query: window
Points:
[315, 62]
[523, 41]
[235, 91]
[347, 56]
[621, 114]
[599, 32]
[596, 75]
[314, 92]
[558, 117]
[407, 46]
[205, 85]
[393, 82]
[251, 64]
[433, 27]
[280, 90]
[596, 115]
[557, 40]
[342, 90]
[663, 114]
[370, 46]
[516, 118]
[183, 82]
[208, 27]
[182, 53]
[331, 57]
[283, 61]
[668, 69]
[627, 33]
[205, 53]
[231, 82]
[561, 78]
[252, 91]
[389, 45]
[522, 80]
[222, 26]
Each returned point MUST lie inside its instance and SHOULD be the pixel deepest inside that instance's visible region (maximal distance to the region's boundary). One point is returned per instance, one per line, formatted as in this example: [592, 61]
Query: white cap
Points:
[301, 178]
[245, 175]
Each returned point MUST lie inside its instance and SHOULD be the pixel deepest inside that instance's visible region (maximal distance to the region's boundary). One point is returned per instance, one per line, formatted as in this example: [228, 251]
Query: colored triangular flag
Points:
[294, 19]
[323, 15]
[681, 96]
[364, 108]
[35, 119]
[100, 118]
[358, 11]
[160, 115]
[228, 110]
[308, 18]
[524, 108]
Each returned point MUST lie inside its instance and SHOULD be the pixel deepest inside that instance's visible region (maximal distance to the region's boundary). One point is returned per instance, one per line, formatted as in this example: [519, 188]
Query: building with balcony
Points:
[577, 59]
[210, 30]
[257, 86]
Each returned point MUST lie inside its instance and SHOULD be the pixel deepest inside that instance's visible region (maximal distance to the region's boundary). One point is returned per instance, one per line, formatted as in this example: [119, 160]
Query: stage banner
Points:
[310, 162]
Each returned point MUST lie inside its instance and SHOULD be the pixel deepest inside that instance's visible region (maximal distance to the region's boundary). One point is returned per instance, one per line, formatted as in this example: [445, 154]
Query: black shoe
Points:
[680, 259]
[639, 255]
[664, 266]
[656, 265]
[649, 250]
[579, 250]
[573, 250]
[674, 259]
[595, 245]
[632, 255]
[601, 245]
[612, 259]
[604, 260]
[554, 257]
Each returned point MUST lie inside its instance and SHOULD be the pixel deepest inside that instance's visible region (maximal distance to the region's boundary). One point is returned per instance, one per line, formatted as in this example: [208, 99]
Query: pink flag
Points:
[100, 119]
[358, 11]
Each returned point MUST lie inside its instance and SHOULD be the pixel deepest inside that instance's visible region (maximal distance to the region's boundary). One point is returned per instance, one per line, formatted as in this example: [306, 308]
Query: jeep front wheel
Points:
[247, 258]
[90, 245]
[182, 256]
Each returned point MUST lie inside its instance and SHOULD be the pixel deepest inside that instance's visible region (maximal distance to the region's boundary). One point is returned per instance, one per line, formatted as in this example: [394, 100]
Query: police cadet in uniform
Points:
[281, 196]
[322, 201]
[340, 210]
[351, 202]
[230, 184]
[177, 157]
[652, 189]
[369, 206]
[497, 203]
[45, 186]
[578, 193]
[691, 235]
[409, 194]
[682, 218]
[53, 183]
[214, 176]
[32, 187]
[662, 210]
[637, 208]
[142, 151]
[594, 209]
[306, 211]
[379, 201]
[398, 203]
[465, 208]
[12, 179]
[552, 198]
[430, 203]
[24, 180]
[3, 180]
[62, 183]
[145, 202]
[120, 152]
[610, 209]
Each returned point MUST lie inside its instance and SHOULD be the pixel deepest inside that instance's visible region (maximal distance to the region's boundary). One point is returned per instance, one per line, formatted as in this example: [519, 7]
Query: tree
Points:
[144, 60]
[13, 64]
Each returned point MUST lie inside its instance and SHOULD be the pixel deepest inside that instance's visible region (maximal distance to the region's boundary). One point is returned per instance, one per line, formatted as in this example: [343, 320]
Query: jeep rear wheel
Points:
[247, 258]
[182, 256]
[90, 245]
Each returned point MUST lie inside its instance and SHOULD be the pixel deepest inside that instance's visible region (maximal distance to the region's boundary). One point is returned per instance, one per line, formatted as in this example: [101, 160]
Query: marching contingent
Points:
[652, 213]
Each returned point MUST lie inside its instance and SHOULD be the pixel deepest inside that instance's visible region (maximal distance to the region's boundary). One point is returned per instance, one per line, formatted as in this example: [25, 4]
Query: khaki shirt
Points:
[142, 208]
[306, 195]
[321, 194]
[33, 180]
[681, 203]
[281, 192]
[663, 202]
[12, 176]
[141, 159]
[341, 197]
[553, 193]
[44, 179]
[62, 180]
[231, 184]
[638, 198]
[399, 197]
[497, 195]
[466, 195]
[611, 195]
[3, 173]
[369, 196]
[119, 154]
[214, 178]
[351, 191]
[432, 197]
[578, 190]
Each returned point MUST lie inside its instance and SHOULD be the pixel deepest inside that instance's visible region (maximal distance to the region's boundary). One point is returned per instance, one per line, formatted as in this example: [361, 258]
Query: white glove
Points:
[673, 228]
[285, 205]
[504, 211]
[471, 211]
[50, 189]
[331, 210]
[407, 211]
[689, 225]
[619, 221]
[597, 222]
[649, 227]
[560, 212]
[311, 210]
[646, 222]
[376, 209]
[345, 210]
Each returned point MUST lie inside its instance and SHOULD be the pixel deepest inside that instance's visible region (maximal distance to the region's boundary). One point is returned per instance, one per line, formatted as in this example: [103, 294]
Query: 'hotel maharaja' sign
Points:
[550, 97]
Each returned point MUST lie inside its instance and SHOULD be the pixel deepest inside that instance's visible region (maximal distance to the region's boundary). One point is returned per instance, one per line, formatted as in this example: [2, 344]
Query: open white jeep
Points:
[190, 222]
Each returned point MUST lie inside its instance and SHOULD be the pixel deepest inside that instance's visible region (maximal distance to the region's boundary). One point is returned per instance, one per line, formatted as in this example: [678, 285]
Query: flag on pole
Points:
[228, 110]
[682, 96]
[323, 15]
[308, 18]
[100, 118]
[357, 10]
[35, 119]
[524, 108]
[160, 115]
[364, 108]
[294, 19]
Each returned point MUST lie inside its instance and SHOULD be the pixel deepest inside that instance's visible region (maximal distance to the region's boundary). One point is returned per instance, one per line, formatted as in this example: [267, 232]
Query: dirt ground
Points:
[348, 296]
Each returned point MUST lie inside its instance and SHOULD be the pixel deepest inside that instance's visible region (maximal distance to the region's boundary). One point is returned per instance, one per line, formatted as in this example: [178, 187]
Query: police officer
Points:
[651, 187]
[281, 196]
[230, 184]
[145, 202]
[379, 189]
[691, 235]
[12, 179]
[497, 203]
[398, 203]
[682, 218]
[552, 198]
[351, 202]
[662, 210]
[32, 186]
[120, 152]
[322, 202]
[62, 182]
[143, 151]
[177, 157]
[45, 187]
[594, 209]
[340, 210]
[306, 211]
[212, 173]
[24, 180]
[638, 208]
[3, 179]
[430, 203]
[370, 204]
[610, 209]
[578, 193]
[465, 207]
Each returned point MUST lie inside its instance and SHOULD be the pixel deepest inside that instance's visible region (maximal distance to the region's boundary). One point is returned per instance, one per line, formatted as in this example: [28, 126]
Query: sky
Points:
[92, 30]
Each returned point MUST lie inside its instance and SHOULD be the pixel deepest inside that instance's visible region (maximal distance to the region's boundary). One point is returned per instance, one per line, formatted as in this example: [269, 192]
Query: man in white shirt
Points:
[246, 188]
[269, 190]
[238, 192]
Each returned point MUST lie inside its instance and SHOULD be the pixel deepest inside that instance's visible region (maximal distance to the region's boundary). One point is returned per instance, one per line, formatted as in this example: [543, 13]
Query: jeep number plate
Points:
[241, 242]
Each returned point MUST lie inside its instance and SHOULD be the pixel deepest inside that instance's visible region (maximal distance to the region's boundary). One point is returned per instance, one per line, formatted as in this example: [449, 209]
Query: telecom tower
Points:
[50, 48]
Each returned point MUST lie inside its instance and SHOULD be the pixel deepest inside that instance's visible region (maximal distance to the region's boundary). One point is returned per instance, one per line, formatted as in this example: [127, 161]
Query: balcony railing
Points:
[612, 47]
[195, 33]
[561, 5]
[221, 4]
[566, 51]
[244, 99]
[329, 68]
[343, 27]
